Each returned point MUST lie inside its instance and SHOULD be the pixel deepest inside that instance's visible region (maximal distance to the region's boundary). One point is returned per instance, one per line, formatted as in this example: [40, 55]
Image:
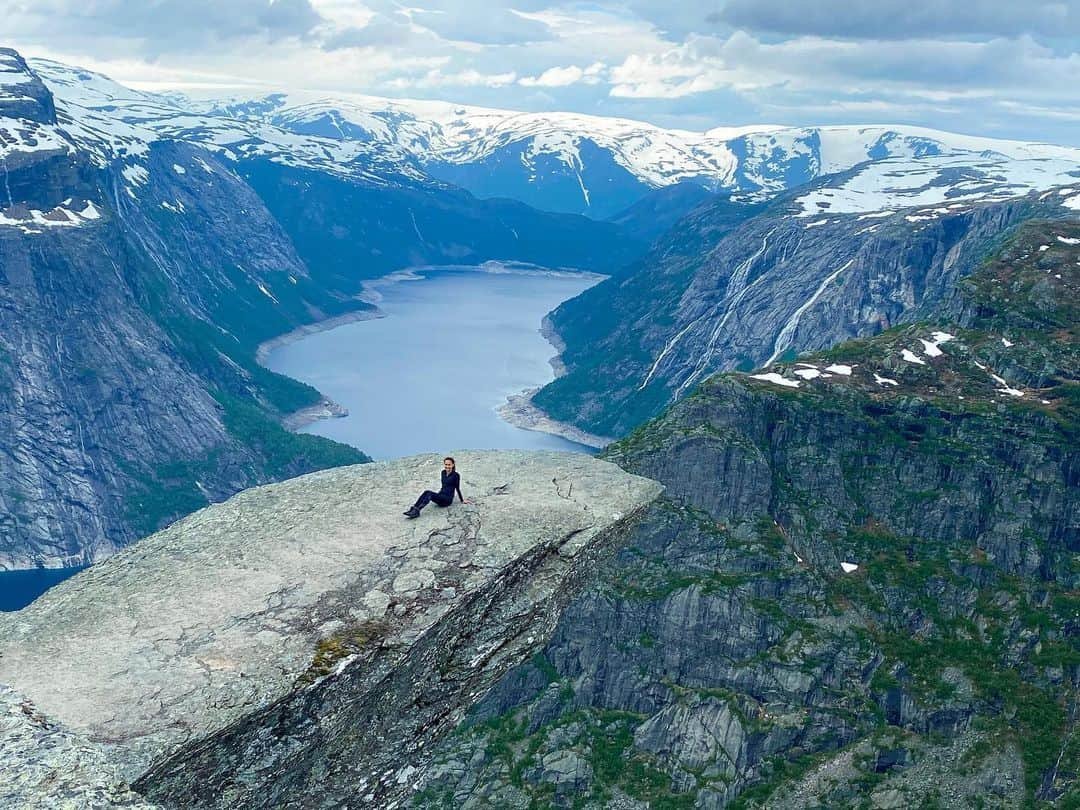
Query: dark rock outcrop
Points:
[860, 587]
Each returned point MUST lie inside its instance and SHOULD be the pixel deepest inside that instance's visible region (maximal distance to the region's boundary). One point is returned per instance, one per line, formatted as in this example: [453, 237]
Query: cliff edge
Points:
[314, 608]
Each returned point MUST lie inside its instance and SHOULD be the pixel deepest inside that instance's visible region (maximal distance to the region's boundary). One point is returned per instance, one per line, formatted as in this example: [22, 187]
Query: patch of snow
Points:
[930, 349]
[179, 169]
[884, 380]
[1068, 240]
[942, 337]
[89, 212]
[807, 373]
[135, 175]
[815, 223]
[848, 567]
[840, 369]
[1043, 248]
[1007, 343]
[778, 379]
[266, 292]
[911, 357]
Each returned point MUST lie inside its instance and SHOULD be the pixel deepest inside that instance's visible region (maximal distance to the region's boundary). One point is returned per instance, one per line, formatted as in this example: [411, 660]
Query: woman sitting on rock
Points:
[451, 483]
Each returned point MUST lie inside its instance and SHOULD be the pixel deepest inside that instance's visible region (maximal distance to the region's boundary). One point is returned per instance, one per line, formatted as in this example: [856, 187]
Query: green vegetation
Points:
[340, 645]
[283, 452]
[169, 491]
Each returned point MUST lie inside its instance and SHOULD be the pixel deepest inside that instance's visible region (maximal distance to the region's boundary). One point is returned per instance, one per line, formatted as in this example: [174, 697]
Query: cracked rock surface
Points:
[289, 588]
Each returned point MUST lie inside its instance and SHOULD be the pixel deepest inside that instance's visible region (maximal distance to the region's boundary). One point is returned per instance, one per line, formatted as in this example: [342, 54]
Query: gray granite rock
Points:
[46, 767]
[315, 589]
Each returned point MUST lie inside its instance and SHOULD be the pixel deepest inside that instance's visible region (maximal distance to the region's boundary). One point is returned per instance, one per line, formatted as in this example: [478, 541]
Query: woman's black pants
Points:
[432, 497]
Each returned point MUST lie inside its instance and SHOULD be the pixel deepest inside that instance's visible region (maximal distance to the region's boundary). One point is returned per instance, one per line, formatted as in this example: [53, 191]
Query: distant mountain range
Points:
[600, 166]
[563, 162]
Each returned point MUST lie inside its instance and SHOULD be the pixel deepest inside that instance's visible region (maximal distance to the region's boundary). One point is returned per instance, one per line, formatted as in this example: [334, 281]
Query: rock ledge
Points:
[305, 587]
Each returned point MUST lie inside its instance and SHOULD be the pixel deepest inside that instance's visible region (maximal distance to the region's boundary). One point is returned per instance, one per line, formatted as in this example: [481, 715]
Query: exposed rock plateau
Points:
[304, 638]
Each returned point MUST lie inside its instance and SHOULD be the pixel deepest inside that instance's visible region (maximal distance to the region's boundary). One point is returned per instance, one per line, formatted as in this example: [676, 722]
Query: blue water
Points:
[429, 376]
[19, 588]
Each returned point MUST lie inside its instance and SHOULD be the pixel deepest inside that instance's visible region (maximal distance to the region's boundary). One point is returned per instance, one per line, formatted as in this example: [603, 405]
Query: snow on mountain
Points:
[944, 183]
[605, 163]
[113, 122]
[439, 131]
[555, 161]
[27, 118]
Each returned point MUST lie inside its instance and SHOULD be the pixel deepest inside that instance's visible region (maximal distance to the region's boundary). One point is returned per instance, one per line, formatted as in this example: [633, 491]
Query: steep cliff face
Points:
[130, 306]
[860, 590]
[302, 643]
[736, 287]
[348, 230]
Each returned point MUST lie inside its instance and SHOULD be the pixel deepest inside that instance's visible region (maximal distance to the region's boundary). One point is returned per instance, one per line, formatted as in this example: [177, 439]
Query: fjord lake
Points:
[452, 344]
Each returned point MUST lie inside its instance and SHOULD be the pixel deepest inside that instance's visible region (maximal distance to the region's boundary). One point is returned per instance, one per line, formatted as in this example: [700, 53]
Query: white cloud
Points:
[937, 70]
[464, 78]
[554, 77]
[675, 64]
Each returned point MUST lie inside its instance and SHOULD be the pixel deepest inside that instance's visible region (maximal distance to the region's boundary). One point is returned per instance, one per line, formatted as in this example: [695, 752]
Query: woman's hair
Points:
[451, 460]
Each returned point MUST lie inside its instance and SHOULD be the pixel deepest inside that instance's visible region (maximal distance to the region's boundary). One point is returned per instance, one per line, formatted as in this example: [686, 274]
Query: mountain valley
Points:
[829, 558]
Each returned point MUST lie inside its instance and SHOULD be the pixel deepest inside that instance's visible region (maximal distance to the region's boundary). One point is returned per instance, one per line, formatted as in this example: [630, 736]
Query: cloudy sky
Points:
[997, 67]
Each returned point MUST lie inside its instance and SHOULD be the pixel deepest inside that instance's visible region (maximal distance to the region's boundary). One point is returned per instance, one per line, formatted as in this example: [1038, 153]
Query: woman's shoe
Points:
[411, 512]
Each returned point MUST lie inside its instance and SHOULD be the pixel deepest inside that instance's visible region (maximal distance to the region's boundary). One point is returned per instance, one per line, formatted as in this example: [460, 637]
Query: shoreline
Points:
[325, 408]
[324, 325]
[520, 411]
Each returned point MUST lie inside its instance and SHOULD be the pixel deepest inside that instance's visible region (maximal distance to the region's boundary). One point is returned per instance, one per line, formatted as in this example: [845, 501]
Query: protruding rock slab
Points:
[258, 599]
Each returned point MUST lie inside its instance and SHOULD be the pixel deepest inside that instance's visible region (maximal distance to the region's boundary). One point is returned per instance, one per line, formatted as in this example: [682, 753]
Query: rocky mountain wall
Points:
[859, 589]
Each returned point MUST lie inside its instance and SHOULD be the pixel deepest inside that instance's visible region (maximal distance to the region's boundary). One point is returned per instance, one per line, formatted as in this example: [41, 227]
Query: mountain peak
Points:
[22, 94]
